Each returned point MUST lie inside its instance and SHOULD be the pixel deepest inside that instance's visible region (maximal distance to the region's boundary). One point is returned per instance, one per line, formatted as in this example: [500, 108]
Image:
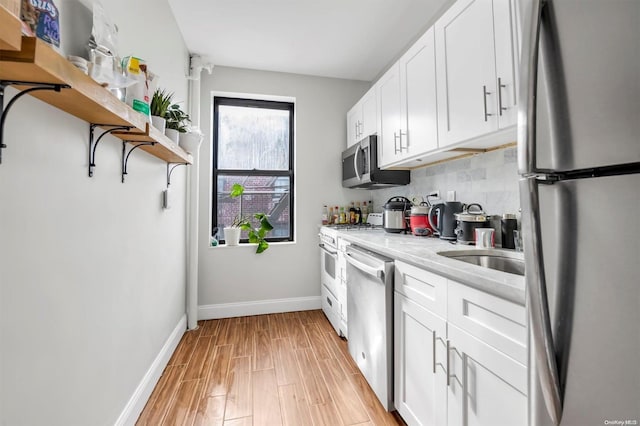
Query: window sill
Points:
[252, 246]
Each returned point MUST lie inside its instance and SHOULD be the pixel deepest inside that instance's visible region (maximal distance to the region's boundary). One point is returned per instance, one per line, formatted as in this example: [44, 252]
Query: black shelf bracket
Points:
[35, 87]
[93, 142]
[126, 154]
[170, 168]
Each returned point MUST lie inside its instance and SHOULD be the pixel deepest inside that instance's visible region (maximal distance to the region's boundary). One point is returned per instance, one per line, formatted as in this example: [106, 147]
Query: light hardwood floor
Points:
[277, 369]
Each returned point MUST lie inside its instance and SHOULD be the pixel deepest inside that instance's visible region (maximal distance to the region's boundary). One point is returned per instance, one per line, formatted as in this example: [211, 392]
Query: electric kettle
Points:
[446, 223]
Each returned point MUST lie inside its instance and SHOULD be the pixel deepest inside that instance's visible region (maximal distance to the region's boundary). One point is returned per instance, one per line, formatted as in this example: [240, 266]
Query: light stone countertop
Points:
[422, 252]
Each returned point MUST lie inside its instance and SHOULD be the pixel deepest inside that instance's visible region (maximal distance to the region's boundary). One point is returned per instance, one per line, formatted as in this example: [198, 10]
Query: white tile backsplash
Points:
[490, 179]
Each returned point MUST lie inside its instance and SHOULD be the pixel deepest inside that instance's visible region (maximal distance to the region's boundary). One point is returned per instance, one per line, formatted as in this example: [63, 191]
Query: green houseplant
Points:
[177, 122]
[257, 235]
[160, 102]
[177, 119]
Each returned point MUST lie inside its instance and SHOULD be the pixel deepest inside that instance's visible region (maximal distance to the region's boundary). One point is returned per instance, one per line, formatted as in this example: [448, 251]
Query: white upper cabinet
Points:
[389, 132]
[362, 119]
[407, 101]
[418, 97]
[455, 88]
[476, 71]
[507, 37]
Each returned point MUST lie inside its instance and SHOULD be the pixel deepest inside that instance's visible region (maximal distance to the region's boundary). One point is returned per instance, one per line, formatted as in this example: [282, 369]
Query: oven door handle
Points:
[324, 247]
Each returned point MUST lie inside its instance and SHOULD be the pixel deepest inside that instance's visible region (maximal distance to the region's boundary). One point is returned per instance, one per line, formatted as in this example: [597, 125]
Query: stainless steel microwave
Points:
[360, 168]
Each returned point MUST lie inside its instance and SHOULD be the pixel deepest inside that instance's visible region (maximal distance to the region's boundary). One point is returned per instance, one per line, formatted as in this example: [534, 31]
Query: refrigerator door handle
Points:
[537, 302]
[528, 79]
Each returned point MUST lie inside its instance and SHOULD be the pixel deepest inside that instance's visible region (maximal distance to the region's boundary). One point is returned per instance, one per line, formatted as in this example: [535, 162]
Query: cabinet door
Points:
[507, 41]
[369, 113]
[418, 97]
[465, 62]
[388, 96]
[486, 387]
[420, 379]
[354, 118]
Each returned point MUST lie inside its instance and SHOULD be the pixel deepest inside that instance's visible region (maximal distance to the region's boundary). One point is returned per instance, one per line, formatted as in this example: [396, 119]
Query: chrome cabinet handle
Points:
[537, 301]
[395, 143]
[329, 302]
[484, 94]
[448, 365]
[500, 86]
[361, 127]
[433, 340]
[406, 138]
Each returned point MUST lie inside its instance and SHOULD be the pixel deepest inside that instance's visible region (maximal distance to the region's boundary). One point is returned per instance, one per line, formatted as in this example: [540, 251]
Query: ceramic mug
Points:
[485, 238]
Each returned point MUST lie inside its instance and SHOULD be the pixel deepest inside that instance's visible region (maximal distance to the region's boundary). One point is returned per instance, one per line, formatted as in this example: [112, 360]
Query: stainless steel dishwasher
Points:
[370, 307]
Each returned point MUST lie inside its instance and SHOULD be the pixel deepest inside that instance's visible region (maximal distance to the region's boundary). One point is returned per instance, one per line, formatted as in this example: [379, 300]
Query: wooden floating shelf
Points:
[86, 99]
[168, 150]
[10, 31]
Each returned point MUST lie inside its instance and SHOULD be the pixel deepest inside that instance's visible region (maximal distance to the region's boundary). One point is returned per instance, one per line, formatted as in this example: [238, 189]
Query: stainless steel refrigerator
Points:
[579, 163]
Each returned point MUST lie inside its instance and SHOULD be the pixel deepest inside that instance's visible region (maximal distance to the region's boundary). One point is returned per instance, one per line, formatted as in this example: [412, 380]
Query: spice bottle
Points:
[352, 214]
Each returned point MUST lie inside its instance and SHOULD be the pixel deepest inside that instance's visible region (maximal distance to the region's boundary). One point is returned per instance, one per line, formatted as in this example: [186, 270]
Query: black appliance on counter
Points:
[360, 168]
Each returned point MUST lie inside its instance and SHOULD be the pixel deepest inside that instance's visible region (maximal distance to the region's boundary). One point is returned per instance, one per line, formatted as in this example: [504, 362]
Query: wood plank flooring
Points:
[278, 369]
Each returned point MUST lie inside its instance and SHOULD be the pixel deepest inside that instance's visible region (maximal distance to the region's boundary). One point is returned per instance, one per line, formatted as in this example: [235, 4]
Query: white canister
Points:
[485, 238]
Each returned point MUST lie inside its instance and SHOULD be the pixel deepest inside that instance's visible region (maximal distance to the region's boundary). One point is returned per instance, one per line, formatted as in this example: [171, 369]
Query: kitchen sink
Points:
[501, 260]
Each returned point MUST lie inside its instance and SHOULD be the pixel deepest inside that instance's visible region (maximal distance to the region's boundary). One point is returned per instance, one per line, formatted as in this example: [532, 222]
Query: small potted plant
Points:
[177, 122]
[257, 235]
[159, 105]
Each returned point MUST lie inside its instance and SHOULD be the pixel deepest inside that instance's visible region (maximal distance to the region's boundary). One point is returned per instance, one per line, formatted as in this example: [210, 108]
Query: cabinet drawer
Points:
[423, 287]
[331, 308]
[493, 320]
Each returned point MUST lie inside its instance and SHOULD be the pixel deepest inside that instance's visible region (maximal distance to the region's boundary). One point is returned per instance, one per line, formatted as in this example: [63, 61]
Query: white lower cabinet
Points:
[420, 373]
[486, 387]
[465, 365]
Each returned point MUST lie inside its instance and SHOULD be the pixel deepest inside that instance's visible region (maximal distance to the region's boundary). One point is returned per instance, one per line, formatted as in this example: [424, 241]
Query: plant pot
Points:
[172, 134]
[232, 236]
[190, 142]
[159, 123]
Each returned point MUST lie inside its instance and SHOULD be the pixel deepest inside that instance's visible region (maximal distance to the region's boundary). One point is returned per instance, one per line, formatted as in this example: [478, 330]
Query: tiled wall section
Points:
[490, 179]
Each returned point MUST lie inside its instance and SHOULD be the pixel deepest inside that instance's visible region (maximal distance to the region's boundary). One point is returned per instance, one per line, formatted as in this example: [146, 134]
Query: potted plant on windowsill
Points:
[257, 235]
[159, 105]
[177, 122]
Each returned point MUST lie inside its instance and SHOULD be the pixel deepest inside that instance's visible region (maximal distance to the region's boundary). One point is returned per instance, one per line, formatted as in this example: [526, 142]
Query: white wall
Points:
[285, 270]
[92, 271]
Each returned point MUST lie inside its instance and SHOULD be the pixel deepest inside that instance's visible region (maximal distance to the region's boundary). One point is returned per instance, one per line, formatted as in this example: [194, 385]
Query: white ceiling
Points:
[352, 39]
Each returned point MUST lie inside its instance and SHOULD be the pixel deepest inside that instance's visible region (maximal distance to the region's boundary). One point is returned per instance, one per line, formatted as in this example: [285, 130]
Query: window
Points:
[253, 146]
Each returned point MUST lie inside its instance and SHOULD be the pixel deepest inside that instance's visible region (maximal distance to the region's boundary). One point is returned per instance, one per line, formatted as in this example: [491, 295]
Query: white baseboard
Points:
[258, 307]
[140, 396]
